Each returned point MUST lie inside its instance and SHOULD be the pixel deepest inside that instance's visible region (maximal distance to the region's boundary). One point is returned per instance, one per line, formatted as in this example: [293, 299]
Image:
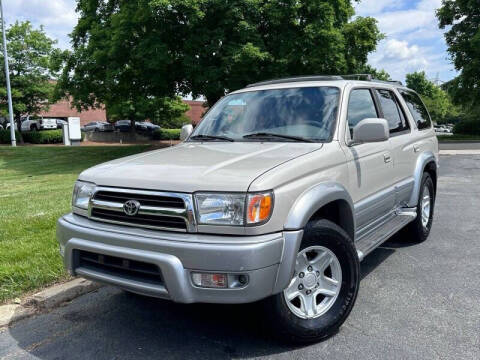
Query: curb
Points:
[46, 300]
[460, 152]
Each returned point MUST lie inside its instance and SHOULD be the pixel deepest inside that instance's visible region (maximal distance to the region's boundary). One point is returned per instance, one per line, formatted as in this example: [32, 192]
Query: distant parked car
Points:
[442, 129]
[60, 123]
[123, 125]
[145, 126]
[98, 126]
[35, 123]
[7, 126]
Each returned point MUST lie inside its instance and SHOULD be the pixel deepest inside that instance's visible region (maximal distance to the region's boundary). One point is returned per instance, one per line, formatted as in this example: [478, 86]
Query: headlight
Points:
[233, 209]
[81, 194]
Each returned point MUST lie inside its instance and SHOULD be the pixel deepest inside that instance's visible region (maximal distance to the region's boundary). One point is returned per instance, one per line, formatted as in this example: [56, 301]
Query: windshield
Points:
[306, 113]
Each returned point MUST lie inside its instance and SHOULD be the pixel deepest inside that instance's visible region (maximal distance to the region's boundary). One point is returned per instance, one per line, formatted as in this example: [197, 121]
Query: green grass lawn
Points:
[458, 137]
[35, 190]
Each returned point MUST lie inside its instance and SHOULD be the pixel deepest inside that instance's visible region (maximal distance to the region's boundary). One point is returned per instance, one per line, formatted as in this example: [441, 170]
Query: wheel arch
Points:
[329, 201]
[426, 162]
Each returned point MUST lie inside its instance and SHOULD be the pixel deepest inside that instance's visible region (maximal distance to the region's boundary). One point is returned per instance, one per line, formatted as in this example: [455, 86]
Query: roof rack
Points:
[369, 77]
[362, 77]
[297, 79]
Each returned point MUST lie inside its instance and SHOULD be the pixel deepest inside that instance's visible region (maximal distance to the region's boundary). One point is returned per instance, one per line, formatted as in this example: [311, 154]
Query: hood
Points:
[190, 167]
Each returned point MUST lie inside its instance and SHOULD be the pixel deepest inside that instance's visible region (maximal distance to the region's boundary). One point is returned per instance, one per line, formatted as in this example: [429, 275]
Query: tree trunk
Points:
[132, 126]
[19, 127]
[213, 98]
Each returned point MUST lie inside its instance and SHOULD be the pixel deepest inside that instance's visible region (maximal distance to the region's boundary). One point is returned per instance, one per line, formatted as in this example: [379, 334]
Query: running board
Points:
[371, 241]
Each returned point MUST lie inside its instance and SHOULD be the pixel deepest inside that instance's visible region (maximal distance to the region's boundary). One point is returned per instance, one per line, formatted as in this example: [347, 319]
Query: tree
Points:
[376, 74]
[137, 52]
[125, 57]
[418, 81]
[171, 113]
[463, 40]
[34, 62]
[234, 43]
[437, 100]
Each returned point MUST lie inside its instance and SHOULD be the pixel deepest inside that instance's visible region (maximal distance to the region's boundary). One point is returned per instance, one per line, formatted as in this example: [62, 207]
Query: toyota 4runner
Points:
[278, 194]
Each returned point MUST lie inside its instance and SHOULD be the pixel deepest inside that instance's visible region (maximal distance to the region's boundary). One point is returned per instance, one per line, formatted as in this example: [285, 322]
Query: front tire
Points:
[419, 229]
[323, 289]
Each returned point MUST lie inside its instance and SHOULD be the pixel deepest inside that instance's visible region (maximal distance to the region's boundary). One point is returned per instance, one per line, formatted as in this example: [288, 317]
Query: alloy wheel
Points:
[425, 206]
[316, 283]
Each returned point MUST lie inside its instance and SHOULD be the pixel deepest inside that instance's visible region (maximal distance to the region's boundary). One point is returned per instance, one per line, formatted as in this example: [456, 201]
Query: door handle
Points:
[387, 158]
[416, 148]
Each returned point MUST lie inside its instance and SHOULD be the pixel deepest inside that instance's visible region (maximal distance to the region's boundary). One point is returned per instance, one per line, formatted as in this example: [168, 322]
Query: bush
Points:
[166, 134]
[467, 127]
[5, 136]
[43, 137]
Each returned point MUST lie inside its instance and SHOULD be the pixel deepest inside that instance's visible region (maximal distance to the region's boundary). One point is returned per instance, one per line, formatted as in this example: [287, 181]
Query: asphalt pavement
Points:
[415, 302]
[459, 145]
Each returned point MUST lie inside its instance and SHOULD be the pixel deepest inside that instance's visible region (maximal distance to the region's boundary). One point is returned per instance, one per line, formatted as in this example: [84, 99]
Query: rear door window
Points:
[417, 109]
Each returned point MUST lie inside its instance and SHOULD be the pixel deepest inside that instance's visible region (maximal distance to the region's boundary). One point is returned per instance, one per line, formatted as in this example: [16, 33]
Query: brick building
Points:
[63, 109]
[196, 110]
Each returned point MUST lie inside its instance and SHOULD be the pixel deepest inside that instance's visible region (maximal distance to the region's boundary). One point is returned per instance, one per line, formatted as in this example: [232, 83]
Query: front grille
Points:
[156, 210]
[149, 200]
[120, 267]
[148, 220]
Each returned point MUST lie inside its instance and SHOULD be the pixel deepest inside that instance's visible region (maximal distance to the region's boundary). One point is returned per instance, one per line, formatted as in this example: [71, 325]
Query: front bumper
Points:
[267, 260]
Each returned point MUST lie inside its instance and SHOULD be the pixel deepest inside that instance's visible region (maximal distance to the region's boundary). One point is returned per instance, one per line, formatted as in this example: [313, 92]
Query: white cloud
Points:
[398, 22]
[370, 7]
[57, 16]
[395, 49]
[429, 5]
[398, 58]
[413, 40]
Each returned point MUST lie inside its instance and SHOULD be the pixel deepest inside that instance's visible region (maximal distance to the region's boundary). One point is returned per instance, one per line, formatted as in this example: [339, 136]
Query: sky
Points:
[413, 41]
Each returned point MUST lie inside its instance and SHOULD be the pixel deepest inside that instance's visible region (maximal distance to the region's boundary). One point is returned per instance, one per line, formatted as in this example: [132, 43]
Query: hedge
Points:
[467, 127]
[43, 137]
[34, 137]
[166, 134]
[5, 136]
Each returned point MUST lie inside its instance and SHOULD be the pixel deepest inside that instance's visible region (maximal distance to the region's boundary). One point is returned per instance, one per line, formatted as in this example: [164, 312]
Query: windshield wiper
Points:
[211, 137]
[267, 135]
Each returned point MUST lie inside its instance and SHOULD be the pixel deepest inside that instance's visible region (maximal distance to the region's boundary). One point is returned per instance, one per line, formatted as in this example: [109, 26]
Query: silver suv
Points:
[278, 194]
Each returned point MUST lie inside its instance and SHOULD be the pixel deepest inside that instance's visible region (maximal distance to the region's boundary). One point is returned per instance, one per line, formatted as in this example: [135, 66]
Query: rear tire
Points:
[328, 284]
[419, 229]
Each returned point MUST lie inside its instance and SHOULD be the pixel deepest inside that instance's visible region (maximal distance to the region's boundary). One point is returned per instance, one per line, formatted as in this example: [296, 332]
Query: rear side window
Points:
[360, 106]
[392, 111]
[417, 109]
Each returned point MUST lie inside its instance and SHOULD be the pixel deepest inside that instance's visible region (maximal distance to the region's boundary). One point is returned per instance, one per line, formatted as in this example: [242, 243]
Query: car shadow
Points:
[383, 252]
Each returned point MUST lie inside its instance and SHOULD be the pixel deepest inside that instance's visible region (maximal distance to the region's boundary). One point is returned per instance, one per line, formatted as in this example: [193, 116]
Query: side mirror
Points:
[186, 131]
[370, 130]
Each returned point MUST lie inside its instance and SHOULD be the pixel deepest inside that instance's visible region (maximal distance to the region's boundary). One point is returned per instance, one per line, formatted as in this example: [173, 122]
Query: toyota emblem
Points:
[131, 207]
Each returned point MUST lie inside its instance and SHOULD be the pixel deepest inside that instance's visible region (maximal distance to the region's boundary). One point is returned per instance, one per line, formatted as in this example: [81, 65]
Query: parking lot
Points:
[415, 302]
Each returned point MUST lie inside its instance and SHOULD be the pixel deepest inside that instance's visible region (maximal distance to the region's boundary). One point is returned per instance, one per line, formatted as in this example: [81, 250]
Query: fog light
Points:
[210, 280]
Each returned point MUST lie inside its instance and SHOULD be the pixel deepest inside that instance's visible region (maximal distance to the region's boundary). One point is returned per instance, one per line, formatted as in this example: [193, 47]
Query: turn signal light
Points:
[259, 207]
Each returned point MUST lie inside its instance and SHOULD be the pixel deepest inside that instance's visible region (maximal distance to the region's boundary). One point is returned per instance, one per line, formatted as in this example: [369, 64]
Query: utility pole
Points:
[7, 77]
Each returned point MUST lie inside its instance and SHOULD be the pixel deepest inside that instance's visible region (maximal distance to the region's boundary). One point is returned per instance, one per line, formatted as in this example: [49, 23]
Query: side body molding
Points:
[315, 198]
[422, 161]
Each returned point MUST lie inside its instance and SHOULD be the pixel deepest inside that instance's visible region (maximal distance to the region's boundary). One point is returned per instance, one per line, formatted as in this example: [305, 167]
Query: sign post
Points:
[7, 77]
